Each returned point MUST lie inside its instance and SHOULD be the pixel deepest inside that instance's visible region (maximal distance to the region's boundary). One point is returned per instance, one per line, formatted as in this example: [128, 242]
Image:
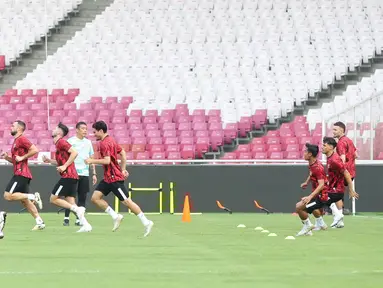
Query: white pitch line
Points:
[49, 272]
[370, 217]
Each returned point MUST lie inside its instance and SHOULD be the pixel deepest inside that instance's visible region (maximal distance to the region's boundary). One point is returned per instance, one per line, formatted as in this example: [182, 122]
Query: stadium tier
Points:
[30, 15]
[203, 73]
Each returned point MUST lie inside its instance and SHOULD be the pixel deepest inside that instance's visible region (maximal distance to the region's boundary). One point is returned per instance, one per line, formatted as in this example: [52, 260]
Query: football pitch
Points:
[208, 252]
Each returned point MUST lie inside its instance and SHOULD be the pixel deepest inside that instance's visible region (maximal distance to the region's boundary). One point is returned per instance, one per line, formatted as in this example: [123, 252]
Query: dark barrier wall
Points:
[275, 187]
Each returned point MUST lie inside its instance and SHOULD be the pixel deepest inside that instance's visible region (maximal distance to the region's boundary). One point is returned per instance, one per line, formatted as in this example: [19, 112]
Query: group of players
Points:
[328, 189]
[73, 159]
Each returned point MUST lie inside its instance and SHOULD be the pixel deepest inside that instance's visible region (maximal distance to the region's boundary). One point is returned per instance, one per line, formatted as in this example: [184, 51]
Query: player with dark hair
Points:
[67, 185]
[347, 152]
[84, 148]
[318, 197]
[114, 176]
[18, 187]
[337, 176]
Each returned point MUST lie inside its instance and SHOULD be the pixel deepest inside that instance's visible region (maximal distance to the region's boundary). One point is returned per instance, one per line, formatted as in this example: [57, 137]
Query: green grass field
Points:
[208, 252]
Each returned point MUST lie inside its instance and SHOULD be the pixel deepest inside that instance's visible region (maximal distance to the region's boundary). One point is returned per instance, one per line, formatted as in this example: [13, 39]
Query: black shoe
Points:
[77, 223]
[66, 222]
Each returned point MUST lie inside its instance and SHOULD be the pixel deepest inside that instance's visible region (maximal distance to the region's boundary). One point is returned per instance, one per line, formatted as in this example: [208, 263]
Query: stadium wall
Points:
[277, 188]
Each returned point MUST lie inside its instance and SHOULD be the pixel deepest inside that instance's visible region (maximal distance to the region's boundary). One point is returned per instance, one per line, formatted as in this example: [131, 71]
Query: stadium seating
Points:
[203, 73]
[30, 15]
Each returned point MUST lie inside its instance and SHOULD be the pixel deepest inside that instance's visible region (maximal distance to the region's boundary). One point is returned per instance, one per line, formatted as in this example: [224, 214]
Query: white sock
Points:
[319, 221]
[31, 197]
[143, 219]
[39, 220]
[84, 222]
[73, 208]
[111, 212]
[307, 222]
[335, 211]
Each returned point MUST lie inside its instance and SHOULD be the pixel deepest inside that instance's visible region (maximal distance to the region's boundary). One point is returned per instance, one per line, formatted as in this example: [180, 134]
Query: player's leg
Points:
[66, 217]
[32, 209]
[59, 191]
[319, 222]
[103, 189]
[82, 191]
[335, 201]
[122, 194]
[303, 214]
[3, 218]
[86, 227]
[18, 189]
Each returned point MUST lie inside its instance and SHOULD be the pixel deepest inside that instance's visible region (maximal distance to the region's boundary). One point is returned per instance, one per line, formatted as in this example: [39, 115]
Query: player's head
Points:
[329, 144]
[81, 129]
[99, 129]
[18, 127]
[338, 129]
[61, 130]
[311, 151]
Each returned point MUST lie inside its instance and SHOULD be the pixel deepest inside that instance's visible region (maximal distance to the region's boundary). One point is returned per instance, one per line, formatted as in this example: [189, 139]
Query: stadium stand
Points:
[199, 74]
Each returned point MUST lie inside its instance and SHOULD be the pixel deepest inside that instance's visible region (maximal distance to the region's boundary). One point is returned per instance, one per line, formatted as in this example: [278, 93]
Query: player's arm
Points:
[351, 190]
[341, 150]
[304, 184]
[31, 152]
[315, 193]
[6, 157]
[104, 161]
[49, 161]
[123, 160]
[72, 156]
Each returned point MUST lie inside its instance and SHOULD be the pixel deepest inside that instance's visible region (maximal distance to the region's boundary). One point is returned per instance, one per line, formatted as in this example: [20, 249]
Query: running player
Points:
[85, 150]
[114, 176]
[337, 176]
[18, 187]
[312, 203]
[347, 152]
[3, 217]
[67, 185]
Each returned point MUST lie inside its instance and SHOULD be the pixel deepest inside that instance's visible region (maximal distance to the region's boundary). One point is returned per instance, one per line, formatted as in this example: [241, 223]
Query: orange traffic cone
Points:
[186, 211]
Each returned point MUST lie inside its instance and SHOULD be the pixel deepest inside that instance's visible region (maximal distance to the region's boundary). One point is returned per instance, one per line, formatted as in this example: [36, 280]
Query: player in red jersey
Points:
[337, 176]
[18, 187]
[318, 197]
[347, 152]
[114, 176]
[67, 185]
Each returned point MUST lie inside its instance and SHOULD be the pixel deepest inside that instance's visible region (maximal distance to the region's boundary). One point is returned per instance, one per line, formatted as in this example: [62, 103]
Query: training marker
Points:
[258, 228]
[290, 238]
[265, 231]
[186, 211]
[272, 235]
[241, 226]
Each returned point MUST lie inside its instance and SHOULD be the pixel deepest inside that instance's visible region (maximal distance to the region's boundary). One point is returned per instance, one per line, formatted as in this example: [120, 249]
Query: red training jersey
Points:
[346, 147]
[21, 147]
[317, 173]
[109, 148]
[335, 174]
[62, 156]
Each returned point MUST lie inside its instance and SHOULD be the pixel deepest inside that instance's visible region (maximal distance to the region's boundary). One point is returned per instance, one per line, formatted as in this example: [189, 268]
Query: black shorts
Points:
[83, 185]
[65, 187]
[318, 204]
[18, 184]
[117, 188]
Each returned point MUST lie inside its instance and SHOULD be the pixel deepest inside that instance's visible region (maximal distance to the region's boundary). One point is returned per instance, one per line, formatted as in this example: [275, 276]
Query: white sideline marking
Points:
[371, 217]
[49, 272]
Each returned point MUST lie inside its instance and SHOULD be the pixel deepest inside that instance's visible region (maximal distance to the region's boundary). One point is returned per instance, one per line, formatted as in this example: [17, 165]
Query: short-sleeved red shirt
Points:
[21, 147]
[62, 156]
[317, 173]
[346, 147]
[335, 174]
[112, 172]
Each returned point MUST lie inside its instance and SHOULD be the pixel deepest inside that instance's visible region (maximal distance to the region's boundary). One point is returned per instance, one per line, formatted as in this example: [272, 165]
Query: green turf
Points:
[208, 252]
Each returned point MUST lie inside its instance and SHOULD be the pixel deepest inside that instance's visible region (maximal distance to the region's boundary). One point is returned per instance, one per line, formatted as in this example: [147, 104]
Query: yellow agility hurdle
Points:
[131, 190]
